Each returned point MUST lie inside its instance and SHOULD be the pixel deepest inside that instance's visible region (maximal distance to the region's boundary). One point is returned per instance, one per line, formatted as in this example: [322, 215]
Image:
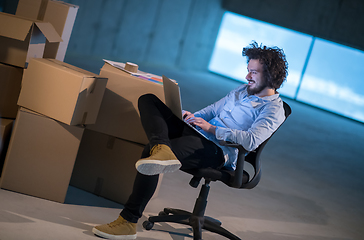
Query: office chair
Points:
[236, 179]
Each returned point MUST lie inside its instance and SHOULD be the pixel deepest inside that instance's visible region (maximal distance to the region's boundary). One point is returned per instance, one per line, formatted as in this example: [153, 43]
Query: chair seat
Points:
[222, 175]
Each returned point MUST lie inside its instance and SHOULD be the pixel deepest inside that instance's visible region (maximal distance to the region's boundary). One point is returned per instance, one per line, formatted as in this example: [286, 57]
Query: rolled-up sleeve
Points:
[269, 119]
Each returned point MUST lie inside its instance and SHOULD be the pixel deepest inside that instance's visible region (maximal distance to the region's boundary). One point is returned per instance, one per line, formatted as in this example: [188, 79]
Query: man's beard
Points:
[257, 89]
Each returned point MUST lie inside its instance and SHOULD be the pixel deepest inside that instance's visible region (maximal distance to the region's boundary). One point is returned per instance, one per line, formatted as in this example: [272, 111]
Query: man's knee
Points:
[147, 99]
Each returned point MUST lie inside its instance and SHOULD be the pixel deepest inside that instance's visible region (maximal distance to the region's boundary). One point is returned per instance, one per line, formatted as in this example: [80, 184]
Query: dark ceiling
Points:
[340, 21]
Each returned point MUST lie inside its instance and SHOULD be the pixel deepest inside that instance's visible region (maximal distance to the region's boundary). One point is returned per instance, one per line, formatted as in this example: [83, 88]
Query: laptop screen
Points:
[172, 96]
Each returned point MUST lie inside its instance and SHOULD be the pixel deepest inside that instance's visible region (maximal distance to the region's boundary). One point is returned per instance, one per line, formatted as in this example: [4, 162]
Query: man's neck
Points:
[266, 92]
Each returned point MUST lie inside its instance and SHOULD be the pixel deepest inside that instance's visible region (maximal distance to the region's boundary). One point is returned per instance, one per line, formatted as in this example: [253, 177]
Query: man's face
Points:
[256, 82]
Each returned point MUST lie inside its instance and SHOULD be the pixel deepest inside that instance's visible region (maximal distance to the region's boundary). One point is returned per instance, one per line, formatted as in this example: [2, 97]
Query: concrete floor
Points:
[312, 185]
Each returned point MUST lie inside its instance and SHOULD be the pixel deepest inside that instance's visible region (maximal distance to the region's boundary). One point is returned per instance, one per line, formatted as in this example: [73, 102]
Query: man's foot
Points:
[118, 229]
[161, 160]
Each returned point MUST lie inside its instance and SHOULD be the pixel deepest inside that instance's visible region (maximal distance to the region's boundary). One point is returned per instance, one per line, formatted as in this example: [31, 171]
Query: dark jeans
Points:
[163, 127]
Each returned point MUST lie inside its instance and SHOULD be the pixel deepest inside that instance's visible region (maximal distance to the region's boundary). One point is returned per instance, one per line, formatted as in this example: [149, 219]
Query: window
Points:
[334, 79]
[320, 73]
[237, 32]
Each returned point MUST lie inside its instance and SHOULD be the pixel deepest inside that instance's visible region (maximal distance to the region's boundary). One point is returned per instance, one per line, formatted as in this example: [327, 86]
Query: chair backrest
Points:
[254, 159]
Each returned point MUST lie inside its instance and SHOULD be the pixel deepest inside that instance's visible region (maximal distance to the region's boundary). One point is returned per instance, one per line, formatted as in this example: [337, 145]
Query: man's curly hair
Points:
[275, 66]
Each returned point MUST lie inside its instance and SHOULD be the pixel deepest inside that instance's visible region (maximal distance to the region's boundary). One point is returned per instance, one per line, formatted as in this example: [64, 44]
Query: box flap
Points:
[33, 9]
[14, 27]
[84, 72]
[49, 32]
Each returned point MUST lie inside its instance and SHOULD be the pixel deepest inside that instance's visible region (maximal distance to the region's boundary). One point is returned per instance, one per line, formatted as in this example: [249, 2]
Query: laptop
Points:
[172, 97]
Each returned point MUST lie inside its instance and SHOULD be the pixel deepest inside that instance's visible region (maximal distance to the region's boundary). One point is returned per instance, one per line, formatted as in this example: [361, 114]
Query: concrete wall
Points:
[171, 33]
[181, 33]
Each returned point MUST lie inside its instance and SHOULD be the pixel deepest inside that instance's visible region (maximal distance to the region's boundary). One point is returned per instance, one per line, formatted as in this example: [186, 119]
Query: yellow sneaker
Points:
[161, 160]
[118, 229]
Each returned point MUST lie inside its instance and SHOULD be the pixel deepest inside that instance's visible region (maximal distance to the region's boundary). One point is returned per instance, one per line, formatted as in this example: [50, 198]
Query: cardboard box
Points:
[10, 84]
[119, 114]
[60, 14]
[61, 91]
[105, 166]
[6, 126]
[22, 39]
[33, 9]
[40, 157]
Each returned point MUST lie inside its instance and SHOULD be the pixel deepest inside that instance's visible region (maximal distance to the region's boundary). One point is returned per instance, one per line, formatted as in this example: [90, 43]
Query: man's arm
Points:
[266, 123]
[212, 110]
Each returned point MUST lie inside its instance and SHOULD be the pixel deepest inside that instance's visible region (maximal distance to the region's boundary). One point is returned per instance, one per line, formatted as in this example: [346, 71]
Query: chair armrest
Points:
[237, 181]
[234, 145]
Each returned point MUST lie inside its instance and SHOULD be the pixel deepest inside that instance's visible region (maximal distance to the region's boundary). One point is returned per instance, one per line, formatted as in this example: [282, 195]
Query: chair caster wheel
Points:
[148, 225]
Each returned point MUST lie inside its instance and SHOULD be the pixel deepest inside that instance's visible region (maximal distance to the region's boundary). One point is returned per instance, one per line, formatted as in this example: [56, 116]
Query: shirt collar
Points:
[266, 98]
[271, 97]
[256, 101]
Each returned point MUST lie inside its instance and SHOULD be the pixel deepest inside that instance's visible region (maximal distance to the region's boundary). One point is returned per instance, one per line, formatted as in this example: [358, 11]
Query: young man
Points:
[248, 116]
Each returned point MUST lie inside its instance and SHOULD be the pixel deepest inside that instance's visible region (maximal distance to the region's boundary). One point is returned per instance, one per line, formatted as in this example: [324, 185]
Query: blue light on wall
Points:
[321, 73]
[334, 79]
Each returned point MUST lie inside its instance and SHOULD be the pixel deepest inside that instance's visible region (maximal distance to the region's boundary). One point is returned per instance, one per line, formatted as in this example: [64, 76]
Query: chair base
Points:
[187, 218]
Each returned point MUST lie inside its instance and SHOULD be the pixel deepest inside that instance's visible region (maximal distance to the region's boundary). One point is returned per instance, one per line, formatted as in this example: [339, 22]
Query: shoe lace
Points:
[117, 222]
[155, 149]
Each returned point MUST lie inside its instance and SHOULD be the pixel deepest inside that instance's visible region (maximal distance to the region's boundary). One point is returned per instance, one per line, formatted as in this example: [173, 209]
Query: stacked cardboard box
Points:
[21, 38]
[61, 91]
[56, 99]
[5, 131]
[41, 155]
[70, 122]
[105, 164]
[40, 150]
[10, 84]
[60, 14]
[119, 115]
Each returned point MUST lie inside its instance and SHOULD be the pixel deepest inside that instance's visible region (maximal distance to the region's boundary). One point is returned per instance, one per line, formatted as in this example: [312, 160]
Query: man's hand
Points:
[187, 115]
[200, 122]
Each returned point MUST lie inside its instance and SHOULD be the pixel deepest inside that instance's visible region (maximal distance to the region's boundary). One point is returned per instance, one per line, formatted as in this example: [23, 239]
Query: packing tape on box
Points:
[131, 67]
